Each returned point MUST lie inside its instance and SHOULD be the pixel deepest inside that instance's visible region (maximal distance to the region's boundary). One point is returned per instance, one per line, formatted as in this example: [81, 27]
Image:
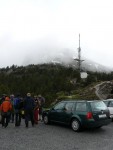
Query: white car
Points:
[109, 104]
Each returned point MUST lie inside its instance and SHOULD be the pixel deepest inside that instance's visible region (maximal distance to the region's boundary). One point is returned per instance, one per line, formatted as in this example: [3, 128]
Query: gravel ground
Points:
[54, 137]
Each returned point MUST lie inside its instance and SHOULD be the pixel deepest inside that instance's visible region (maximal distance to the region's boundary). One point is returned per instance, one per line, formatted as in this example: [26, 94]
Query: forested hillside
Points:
[53, 81]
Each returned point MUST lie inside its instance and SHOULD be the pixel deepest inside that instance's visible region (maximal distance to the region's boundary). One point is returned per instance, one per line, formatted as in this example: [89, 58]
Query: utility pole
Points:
[79, 58]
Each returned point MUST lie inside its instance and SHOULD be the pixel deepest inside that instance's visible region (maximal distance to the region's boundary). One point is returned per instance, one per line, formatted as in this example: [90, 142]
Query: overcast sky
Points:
[31, 31]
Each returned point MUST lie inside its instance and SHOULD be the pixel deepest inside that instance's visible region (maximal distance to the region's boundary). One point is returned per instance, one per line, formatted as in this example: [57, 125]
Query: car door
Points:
[81, 111]
[66, 113]
[56, 111]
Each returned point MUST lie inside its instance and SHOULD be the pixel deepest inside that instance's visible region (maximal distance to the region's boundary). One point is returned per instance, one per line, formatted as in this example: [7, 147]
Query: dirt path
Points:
[97, 91]
[103, 90]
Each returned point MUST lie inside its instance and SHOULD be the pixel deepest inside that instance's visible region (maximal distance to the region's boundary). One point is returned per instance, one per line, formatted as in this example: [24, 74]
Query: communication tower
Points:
[79, 61]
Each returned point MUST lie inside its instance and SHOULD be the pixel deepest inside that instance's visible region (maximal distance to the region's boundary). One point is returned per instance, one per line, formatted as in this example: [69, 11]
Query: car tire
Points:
[75, 125]
[45, 119]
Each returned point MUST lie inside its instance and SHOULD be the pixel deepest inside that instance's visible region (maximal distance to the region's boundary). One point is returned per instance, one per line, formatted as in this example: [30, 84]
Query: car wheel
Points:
[75, 125]
[46, 120]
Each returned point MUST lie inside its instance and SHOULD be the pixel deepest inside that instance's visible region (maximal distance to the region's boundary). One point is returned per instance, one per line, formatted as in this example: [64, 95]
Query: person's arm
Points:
[1, 106]
[33, 103]
[24, 103]
[10, 106]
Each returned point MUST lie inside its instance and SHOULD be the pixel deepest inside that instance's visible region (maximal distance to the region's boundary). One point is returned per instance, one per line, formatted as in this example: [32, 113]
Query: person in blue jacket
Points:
[17, 110]
[29, 105]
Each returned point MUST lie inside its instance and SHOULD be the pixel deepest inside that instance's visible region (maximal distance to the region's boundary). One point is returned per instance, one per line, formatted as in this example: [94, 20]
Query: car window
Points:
[59, 106]
[111, 104]
[98, 105]
[69, 106]
[81, 107]
[106, 102]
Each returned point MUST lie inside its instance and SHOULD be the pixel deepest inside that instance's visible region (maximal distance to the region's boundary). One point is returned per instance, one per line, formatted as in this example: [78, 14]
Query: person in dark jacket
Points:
[3, 98]
[29, 109]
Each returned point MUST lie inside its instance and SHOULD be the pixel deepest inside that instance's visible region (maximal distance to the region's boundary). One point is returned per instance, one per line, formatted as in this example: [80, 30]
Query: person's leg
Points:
[12, 116]
[26, 118]
[36, 117]
[40, 113]
[31, 113]
[7, 120]
[16, 119]
[2, 120]
[19, 121]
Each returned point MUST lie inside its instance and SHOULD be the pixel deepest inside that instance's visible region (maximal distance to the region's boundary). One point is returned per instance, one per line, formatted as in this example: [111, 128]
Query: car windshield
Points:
[111, 104]
[98, 105]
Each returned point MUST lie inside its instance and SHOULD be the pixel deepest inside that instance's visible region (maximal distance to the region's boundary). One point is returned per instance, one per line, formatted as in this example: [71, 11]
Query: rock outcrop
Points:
[104, 90]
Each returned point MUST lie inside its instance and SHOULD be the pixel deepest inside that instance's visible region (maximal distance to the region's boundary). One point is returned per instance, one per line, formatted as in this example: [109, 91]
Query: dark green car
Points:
[78, 114]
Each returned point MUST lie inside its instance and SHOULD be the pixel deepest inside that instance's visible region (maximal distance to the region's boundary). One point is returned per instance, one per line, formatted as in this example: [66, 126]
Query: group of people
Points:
[14, 108]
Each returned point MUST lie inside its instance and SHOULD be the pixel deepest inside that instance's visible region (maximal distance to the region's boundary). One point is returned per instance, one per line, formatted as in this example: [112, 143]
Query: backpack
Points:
[16, 103]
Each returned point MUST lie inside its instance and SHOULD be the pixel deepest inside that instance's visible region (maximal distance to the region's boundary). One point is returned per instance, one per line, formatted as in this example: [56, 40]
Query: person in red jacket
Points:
[36, 110]
[5, 107]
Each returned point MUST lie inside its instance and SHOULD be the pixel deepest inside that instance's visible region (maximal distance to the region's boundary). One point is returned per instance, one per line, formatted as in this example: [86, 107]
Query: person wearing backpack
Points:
[5, 108]
[17, 110]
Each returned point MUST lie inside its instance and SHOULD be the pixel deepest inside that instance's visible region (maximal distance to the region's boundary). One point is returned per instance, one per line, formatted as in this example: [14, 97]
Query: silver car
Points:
[109, 104]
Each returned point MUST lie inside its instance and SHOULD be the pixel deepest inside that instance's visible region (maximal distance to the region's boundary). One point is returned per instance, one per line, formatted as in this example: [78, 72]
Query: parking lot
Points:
[55, 137]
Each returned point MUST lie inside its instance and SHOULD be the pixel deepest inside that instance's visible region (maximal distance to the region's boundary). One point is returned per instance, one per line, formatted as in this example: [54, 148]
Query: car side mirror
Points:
[52, 108]
[64, 109]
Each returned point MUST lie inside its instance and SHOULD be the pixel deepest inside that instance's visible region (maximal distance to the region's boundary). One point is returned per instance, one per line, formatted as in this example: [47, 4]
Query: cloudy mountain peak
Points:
[68, 59]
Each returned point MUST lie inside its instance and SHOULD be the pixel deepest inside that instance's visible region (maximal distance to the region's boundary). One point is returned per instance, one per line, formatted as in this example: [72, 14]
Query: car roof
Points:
[75, 100]
[108, 100]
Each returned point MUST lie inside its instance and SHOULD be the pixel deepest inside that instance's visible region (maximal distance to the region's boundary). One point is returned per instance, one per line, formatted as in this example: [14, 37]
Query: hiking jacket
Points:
[17, 103]
[29, 103]
[6, 106]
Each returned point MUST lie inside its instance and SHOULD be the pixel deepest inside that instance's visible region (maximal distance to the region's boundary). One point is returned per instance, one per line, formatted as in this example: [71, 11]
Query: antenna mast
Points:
[79, 57]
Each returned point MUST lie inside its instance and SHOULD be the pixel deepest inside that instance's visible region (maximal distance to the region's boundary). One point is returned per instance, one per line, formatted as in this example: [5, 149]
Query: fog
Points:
[33, 32]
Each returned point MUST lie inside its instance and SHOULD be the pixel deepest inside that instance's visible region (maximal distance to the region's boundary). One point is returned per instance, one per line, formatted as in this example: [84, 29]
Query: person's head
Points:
[28, 94]
[4, 95]
[12, 96]
[39, 95]
[35, 96]
[7, 98]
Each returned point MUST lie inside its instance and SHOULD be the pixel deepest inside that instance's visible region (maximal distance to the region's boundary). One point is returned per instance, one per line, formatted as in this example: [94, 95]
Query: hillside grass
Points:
[81, 93]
